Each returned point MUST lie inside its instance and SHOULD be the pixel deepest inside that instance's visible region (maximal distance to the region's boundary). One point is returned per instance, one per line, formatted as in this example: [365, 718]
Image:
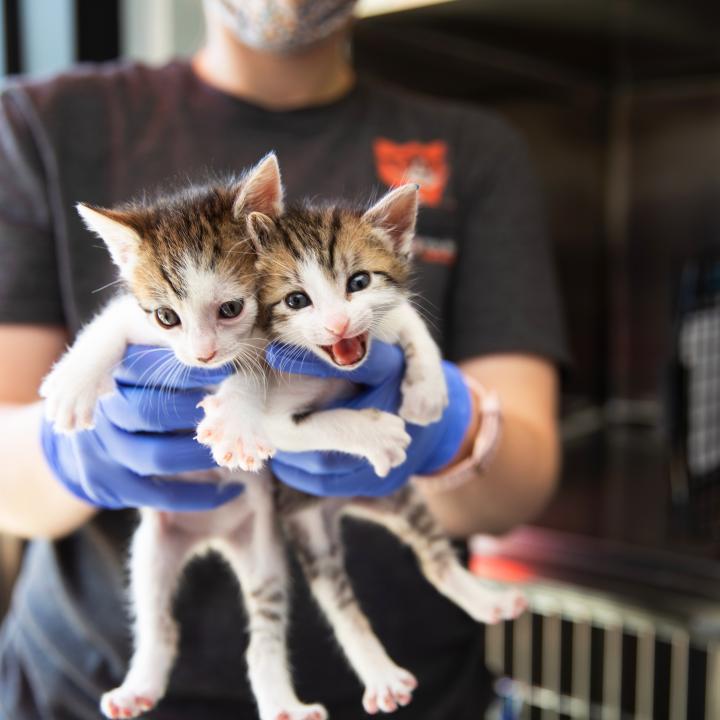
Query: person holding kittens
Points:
[271, 75]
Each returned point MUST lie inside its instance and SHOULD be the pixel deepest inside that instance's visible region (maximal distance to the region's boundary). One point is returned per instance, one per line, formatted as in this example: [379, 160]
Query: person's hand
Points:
[432, 447]
[143, 432]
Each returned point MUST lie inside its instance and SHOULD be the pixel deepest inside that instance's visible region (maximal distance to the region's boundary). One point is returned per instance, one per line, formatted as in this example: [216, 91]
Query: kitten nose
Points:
[337, 324]
[208, 358]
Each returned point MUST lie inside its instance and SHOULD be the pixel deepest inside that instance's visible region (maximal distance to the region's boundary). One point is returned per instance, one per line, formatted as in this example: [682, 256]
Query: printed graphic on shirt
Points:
[438, 251]
[421, 163]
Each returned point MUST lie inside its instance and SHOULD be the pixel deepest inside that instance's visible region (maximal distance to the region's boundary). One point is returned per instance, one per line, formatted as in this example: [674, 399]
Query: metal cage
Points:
[589, 652]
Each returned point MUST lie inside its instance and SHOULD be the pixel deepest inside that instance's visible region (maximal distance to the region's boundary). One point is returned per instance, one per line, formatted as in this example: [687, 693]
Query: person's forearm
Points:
[513, 489]
[34, 503]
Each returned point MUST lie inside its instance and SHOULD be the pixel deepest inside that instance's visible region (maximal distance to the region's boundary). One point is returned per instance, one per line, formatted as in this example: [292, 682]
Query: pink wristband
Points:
[486, 443]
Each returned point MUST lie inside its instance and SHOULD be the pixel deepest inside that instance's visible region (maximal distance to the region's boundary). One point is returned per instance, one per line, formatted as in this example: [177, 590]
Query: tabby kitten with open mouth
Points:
[331, 280]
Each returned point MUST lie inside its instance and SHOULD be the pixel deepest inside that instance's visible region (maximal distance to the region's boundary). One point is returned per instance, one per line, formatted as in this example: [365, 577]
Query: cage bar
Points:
[644, 674]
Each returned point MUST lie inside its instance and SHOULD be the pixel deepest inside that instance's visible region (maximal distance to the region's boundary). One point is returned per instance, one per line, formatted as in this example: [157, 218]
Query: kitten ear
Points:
[259, 228]
[261, 190]
[122, 241]
[395, 214]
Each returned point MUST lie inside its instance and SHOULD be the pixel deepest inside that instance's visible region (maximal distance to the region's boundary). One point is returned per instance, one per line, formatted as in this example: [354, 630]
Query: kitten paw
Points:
[299, 712]
[485, 604]
[424, 396]
[233, 437]
[513, 603]
[387, 443]
[393, 688]
[498, 605]
[71, 397]
[125, 703]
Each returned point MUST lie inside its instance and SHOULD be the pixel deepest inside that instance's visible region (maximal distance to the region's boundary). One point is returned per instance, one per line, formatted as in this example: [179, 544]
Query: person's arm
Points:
[504, 328]
[524, 469]
[34, 503]
[142, 438]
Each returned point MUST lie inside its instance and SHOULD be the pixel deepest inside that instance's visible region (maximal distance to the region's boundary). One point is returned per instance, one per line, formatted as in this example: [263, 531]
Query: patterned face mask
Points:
[282, 25]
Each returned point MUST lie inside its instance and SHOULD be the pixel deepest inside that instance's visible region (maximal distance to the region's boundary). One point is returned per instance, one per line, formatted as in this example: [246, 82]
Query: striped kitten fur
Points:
[331, 280]
[207, 272]
[190, 285]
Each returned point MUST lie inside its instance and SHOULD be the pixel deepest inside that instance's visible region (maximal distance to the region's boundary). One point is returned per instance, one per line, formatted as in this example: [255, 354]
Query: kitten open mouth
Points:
[348, 351]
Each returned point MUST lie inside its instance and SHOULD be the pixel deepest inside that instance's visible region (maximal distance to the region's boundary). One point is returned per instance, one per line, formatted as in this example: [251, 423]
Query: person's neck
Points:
[314, 76]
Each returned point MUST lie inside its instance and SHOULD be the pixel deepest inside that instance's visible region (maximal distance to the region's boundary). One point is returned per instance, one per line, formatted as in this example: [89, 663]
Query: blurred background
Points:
[620, 103]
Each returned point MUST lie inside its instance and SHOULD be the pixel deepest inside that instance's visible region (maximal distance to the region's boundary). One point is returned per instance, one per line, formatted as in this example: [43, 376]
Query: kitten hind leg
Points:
[407, 516]
[157, 558]
[260, 565]
[315, 533]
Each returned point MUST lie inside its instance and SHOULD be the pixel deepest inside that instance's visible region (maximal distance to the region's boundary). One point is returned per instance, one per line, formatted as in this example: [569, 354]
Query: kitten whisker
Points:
[119, 281]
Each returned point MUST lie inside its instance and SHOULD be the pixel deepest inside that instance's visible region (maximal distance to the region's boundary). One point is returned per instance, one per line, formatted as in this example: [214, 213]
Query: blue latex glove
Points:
[143, 431]
[432, 446]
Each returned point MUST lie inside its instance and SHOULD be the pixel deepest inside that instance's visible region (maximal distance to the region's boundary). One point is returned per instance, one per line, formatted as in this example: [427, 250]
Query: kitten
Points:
[330, 280]
[194, 263]
[190, 285]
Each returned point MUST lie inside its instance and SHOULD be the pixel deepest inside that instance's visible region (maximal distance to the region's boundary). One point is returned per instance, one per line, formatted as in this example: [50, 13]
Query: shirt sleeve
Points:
[503, 296]
[29, 286]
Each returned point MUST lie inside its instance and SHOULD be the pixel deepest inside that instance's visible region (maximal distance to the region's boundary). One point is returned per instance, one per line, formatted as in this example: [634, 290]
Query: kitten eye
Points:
[359, 281]
[297, 301]
[231, 309]
[167, 317]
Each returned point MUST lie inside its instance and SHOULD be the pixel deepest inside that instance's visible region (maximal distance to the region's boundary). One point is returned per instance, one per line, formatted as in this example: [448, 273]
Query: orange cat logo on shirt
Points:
[421, 163]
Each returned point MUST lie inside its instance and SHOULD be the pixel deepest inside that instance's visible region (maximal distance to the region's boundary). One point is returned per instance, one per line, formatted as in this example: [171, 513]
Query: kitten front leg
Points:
[258, 560]
[76, 382]
[424, 390]
[158, 555]
[407, 516]
[233, 424]
[315, 535]
[377, 436]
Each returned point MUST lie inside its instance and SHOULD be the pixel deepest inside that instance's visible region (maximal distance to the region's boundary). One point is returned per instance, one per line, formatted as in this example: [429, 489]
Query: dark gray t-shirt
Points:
[103, 134]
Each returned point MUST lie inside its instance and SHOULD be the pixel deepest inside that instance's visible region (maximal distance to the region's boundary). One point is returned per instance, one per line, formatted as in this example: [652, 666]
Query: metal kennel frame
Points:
[586, 652]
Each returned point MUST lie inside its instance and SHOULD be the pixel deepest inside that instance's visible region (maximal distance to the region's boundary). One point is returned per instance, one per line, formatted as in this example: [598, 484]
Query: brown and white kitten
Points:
[190, 284]
[330, 280]
[185, 260]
